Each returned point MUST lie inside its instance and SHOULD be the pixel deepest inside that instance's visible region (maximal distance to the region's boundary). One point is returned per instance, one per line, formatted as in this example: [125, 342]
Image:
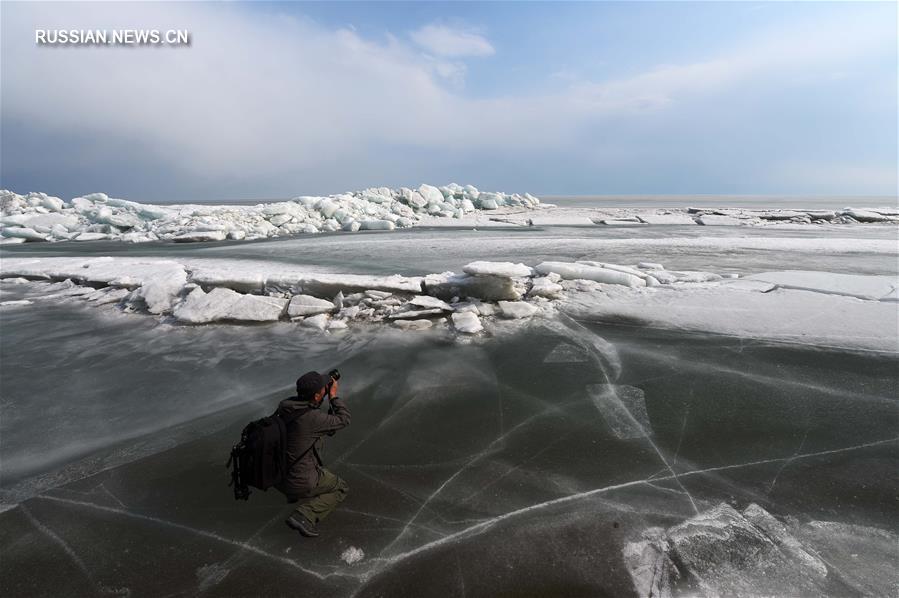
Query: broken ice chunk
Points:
[488, 288]
[225, 304]
[337, 325]
[545, 287]
[28, 234]
[91, 237]
[517, 309]
[467, 322]
[161, 287]
[377, 225]
[652, 570]
[715, 220]
[416, 314]
[307, 305]
[319, 322]
[199, 236]
[571, 271]
[504, 269]
[650, 266]
[377, 294]
[429, 302]
[413, 324]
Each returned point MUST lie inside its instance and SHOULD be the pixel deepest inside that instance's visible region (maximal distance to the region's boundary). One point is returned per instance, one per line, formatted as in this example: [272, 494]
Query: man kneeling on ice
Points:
[307, 480]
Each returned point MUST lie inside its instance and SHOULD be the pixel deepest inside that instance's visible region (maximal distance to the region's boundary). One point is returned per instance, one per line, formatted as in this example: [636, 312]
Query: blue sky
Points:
[281, 99]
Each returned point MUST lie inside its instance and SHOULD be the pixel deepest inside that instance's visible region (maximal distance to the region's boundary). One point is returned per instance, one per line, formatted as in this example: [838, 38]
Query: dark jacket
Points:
[305, 430]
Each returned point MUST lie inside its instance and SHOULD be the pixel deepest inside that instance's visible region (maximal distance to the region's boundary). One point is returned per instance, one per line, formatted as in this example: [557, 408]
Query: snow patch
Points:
[352, 555]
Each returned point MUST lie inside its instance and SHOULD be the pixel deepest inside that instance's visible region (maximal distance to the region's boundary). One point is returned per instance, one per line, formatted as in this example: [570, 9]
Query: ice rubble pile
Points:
[40, 217]
[725, 552]
[203, 291]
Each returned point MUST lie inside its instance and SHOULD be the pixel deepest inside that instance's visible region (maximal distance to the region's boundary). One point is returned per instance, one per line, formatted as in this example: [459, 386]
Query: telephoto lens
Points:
[334, 374]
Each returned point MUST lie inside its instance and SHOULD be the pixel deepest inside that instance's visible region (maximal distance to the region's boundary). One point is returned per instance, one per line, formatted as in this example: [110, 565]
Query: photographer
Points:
[307, 479]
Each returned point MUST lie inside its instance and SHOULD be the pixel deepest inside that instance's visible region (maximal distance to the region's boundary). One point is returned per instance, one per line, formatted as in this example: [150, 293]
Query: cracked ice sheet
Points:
[851, 285]
[487, 452]
[792, 316]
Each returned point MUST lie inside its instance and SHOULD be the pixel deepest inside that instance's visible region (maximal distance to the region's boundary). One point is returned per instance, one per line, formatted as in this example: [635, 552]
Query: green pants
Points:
[324, 498]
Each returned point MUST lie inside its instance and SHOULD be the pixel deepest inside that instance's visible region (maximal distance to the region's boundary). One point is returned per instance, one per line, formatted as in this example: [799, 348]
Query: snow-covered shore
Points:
[40, 217]
[817, 308]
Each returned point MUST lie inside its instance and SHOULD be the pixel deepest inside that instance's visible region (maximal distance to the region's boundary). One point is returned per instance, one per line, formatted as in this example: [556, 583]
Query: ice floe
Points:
[784, 315]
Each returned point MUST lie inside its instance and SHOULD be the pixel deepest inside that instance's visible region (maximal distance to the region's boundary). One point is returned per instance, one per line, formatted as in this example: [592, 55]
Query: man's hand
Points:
[332, 388]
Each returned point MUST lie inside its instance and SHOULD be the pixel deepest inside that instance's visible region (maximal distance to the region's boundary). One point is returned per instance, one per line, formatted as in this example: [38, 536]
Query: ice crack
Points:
[485, 525]
[195, 531]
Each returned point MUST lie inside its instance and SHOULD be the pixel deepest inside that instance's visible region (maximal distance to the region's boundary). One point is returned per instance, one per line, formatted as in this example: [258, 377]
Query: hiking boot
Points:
[301, 524]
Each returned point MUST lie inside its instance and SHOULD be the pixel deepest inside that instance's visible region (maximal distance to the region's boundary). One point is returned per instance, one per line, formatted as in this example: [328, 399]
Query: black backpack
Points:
[260, 458]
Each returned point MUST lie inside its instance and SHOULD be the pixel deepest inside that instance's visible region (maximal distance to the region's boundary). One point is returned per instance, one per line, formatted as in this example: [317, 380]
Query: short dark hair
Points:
[310, 383]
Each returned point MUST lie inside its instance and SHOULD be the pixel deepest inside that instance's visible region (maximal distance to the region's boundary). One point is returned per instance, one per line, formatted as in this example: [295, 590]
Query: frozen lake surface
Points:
[422, 250]
[527, 463]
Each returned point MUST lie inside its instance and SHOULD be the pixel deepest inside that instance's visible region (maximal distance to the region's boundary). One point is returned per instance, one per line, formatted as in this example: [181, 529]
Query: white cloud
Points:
[269, 96]
[450, 42]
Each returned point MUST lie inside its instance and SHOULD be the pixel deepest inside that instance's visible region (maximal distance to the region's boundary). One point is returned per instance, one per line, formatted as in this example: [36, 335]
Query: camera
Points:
[333, 376]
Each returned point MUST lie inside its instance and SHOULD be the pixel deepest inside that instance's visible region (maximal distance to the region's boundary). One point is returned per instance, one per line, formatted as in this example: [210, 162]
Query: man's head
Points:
[311, 386]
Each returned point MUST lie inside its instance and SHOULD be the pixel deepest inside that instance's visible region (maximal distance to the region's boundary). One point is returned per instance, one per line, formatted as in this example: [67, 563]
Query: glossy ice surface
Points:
[523, 464]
